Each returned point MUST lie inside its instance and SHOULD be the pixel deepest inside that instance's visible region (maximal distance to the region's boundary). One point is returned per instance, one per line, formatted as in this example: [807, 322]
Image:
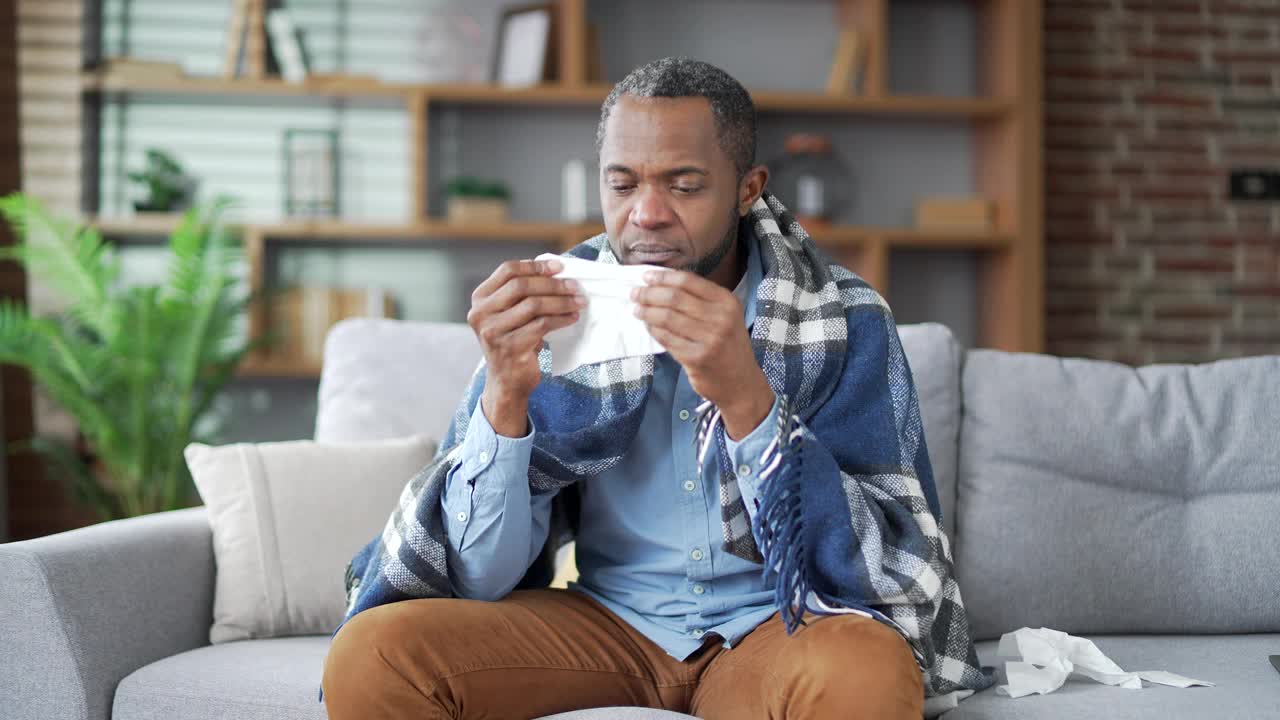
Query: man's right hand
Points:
[510, 313]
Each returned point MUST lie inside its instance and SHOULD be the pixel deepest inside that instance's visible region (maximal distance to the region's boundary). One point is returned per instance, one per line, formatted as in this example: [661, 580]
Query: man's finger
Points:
[676, 345]
[532, 308]
[672, 297]
[693, 283]
[672, 320]
[524, 286]
[531, 333]
[515, 268]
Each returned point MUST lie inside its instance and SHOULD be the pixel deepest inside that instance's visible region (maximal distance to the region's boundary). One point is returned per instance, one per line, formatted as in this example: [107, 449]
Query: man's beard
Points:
[708, 263]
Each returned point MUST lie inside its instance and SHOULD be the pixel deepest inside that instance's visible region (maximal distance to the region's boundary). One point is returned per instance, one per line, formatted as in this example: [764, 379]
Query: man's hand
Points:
[510, 313]
[701, 324]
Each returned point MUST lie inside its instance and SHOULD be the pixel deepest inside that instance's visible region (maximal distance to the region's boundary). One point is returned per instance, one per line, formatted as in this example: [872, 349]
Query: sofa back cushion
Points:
[286, 518]
[1099, 498]
[935, 357]
[390, 378]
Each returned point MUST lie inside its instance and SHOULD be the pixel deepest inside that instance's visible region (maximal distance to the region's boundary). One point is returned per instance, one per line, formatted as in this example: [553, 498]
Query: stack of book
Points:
[960, 214]
[301, 316]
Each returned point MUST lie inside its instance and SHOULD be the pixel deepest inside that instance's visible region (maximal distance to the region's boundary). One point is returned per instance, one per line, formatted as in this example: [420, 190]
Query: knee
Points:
[854, 662]
[366, 650]
[353, 654]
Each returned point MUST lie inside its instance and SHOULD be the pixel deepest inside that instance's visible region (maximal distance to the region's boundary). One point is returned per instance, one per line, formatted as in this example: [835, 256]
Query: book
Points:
[845, 64]
[286, 46]
[236, 28]
[255, 42]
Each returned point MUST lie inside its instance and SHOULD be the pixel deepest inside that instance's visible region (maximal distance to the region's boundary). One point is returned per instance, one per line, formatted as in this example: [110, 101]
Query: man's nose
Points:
[651, 210]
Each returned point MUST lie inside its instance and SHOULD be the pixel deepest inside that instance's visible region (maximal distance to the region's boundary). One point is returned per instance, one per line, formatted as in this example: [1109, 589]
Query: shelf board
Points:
[802, 102]
[353, 86]
[277, 367]
[856, 235]
[954, 239]
[343, 231]
[145, 224]
[537, 232]
[549, 94]
[532, 231]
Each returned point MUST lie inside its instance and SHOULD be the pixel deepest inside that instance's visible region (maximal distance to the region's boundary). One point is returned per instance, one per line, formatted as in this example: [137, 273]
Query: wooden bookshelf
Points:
[1004, 120]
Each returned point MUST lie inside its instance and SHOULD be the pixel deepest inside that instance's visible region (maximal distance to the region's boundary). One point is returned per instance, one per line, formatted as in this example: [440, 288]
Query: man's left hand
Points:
[701, 324]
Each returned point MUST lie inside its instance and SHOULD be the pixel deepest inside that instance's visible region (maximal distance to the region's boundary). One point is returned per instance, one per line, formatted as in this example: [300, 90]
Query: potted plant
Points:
[138, 367]
[475, 201]
[166, 184]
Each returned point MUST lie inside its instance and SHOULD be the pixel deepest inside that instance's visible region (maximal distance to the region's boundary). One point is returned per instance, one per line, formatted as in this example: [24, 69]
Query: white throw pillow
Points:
[286, 518]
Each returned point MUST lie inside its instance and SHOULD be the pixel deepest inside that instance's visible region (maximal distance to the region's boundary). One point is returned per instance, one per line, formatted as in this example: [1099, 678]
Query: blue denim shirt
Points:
[648, 547]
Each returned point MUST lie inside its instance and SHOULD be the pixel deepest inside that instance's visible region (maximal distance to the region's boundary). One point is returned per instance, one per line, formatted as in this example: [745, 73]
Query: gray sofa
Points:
[1134, 507]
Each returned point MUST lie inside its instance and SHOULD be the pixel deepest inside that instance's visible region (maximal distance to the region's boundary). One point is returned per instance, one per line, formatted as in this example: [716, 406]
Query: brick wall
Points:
[1149, 104]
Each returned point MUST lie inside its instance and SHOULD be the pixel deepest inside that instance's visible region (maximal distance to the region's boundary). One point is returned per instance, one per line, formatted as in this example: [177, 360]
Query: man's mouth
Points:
[652, 254]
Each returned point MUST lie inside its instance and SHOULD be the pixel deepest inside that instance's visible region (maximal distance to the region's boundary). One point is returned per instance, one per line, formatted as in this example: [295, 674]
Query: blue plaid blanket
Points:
[848, 518]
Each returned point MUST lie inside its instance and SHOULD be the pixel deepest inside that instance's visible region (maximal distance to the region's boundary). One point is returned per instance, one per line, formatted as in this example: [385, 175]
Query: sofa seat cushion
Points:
[277, 678]
[1246, 684]
[272, 679]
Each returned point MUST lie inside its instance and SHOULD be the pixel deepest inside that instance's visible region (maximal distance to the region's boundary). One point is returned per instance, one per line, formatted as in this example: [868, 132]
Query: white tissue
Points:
[1045, 658]
[607, 327]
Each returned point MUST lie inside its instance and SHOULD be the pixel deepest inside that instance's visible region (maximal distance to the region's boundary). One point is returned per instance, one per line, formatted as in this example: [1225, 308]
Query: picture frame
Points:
[525, 51]
[310, 167]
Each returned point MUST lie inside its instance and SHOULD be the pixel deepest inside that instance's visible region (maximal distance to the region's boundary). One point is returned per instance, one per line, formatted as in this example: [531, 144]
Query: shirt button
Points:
[744, 469]
[689, 485]
[684, 414]
[484, 456]
[696, 554]
[462, 517]
[698, 589]
[698, 633]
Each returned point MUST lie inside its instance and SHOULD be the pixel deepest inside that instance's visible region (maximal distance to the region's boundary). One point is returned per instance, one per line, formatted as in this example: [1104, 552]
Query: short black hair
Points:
[678, 77]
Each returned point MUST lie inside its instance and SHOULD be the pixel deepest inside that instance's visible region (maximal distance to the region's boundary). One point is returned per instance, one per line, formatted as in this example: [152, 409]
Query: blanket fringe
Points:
[779, 522]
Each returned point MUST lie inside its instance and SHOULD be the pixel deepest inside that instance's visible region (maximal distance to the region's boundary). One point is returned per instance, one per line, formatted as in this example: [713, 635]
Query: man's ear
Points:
[751, 187]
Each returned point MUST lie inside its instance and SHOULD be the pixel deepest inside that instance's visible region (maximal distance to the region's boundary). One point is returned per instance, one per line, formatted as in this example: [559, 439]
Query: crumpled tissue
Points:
[1045, 658]
[607, 328]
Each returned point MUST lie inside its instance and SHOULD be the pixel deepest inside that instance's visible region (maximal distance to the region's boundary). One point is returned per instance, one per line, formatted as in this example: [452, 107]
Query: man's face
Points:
[668, 190]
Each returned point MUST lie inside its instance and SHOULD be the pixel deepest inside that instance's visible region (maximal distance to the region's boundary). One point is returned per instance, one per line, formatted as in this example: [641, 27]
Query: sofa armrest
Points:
[82, 609]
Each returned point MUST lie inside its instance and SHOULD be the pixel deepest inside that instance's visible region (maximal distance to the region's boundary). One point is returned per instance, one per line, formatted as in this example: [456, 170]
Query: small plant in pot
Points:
[167, 185]
[472, 200]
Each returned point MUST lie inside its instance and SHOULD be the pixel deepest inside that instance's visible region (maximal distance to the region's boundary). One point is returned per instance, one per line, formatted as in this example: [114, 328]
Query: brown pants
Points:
[540, 652]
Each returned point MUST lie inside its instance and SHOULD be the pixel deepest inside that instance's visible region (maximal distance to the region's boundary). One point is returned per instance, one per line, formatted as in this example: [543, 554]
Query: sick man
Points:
[757, 529]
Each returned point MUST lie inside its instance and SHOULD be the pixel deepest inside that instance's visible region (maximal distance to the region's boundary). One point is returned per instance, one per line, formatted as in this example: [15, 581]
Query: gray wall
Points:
[233, 145]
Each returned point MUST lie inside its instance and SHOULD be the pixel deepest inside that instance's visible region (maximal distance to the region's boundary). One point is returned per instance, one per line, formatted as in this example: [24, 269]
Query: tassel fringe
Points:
[779, 522]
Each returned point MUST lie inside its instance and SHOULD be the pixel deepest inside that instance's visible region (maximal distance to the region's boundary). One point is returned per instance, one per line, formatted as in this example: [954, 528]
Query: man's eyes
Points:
[682, 189]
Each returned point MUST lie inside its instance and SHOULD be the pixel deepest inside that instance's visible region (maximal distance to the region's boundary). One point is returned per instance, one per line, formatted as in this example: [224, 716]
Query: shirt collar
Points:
[746, 288]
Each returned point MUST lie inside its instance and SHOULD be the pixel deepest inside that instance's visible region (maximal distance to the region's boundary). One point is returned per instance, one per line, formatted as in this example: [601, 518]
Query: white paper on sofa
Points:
[607, 327]
[1045, 658]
